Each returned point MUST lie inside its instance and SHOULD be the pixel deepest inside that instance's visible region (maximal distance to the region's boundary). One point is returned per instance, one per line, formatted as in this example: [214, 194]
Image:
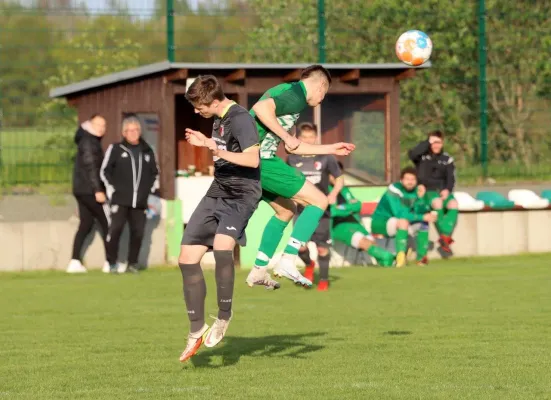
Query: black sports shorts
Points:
[219, 216]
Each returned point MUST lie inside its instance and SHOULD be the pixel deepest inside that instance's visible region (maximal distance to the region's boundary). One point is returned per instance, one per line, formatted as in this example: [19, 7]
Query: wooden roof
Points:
[194, 69]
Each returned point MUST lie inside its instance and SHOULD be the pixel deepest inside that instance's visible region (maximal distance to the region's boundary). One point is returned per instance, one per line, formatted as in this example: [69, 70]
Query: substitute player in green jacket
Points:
[401, 210]
[348, 228]
[276, 113]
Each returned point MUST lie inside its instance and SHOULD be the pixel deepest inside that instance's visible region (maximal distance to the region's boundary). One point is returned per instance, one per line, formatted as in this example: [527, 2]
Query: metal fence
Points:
[489, 88]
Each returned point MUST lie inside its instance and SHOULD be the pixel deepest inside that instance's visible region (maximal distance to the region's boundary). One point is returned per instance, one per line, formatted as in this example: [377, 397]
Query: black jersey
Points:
[316, 169]
[235, 131]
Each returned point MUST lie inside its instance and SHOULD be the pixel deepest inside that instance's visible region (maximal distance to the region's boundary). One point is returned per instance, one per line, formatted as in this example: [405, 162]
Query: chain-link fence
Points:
[488, 89]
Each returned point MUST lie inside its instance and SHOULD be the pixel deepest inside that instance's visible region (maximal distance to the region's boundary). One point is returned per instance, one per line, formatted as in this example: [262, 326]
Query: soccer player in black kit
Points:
[317, 170]
[220, 219]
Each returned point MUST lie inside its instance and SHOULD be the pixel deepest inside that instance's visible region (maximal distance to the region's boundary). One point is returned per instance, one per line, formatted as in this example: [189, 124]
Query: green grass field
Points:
[462, 329]
[34, 157]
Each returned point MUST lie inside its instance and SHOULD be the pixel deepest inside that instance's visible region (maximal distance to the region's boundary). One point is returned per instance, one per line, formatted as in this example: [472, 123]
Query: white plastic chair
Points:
[466, 202]
[527, 199]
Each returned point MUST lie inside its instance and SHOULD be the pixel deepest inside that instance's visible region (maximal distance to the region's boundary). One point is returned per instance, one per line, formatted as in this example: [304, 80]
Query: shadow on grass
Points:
[233, 348]
[332, 279]
[397, 333]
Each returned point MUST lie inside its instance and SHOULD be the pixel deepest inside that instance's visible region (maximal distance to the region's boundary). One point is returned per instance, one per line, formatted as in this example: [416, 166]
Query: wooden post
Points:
[317, 121]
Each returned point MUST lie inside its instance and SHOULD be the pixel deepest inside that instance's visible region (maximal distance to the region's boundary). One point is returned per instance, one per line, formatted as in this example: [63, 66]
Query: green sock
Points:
[384, 258]
[401, 240]
[273, 232]
[423, 241]
[441, 221]
[449, 221]
[306, 224]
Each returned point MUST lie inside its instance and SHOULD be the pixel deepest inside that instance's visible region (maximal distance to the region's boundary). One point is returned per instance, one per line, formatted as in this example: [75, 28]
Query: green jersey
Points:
[398, 202]
[290, 101]
[347, 208]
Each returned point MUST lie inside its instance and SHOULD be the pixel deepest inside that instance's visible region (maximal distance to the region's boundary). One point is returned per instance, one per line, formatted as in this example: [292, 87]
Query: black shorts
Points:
[322, 234]
[218, 216]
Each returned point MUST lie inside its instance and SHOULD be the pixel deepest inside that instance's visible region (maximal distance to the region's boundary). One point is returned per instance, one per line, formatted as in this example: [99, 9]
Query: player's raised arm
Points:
[337, 149]
[265, 111]
[245, 132]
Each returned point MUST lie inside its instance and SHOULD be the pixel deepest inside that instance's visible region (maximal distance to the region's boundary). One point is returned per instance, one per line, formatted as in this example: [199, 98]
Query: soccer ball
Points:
[414, 47]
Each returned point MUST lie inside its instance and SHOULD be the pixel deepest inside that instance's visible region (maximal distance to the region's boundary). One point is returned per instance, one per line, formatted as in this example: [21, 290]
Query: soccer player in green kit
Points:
[276, 113]
[401, 210]
[348, 227]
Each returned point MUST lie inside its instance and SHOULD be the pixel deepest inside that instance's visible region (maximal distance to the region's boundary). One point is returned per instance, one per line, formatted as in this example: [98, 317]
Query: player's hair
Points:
[437, 134]
[204, 90]
[408, 170]
[95, 115]
[306, 126]
[314, 70]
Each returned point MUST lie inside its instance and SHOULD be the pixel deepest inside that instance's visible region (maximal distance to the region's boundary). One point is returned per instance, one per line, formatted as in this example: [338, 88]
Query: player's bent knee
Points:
[365, 243]
[323, 251]
[452, 205]
[285, 214]
[322, 203]
[436, 204]
[223, 243]
[191, 254]
[285, 209]
[403, 224]
[311, 195]
[186, 256]
[357, 240]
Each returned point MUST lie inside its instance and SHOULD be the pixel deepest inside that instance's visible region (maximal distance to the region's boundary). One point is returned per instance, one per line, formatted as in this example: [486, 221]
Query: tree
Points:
[283, 31]
[98, 50]
[25, 59]
[518, 76]
[360, 31]
[445, 97]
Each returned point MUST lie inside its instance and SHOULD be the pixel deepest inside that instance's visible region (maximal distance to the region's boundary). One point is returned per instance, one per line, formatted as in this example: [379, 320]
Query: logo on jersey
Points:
[317, 165]
[221, 130]
[146, 158]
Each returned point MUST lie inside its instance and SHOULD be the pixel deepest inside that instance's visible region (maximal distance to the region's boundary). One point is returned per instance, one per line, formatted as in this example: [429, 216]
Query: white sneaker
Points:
[194, 341]
[287, 268]
[106, 269]
[121, 269]
[111, 269]
[76, 267]
[260, 276]
[216, 332]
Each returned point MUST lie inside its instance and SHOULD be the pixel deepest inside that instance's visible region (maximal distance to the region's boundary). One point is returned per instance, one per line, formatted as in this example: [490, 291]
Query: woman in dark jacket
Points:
[88, 188]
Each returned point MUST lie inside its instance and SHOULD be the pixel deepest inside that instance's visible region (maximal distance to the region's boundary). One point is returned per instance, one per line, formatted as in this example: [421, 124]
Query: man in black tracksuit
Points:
[436, 173]
[88, 188]
[130, 174]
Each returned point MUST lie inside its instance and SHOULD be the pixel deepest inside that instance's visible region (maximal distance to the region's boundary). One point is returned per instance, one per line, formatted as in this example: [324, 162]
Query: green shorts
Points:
[279, 179]
[431, 195]
[379, 226]
[344, 231]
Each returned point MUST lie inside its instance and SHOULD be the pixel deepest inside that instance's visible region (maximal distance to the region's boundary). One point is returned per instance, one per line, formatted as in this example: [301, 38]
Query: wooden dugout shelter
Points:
[156, 92]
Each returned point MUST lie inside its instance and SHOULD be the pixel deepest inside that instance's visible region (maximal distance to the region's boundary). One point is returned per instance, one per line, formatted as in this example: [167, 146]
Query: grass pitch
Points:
[476, 329]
